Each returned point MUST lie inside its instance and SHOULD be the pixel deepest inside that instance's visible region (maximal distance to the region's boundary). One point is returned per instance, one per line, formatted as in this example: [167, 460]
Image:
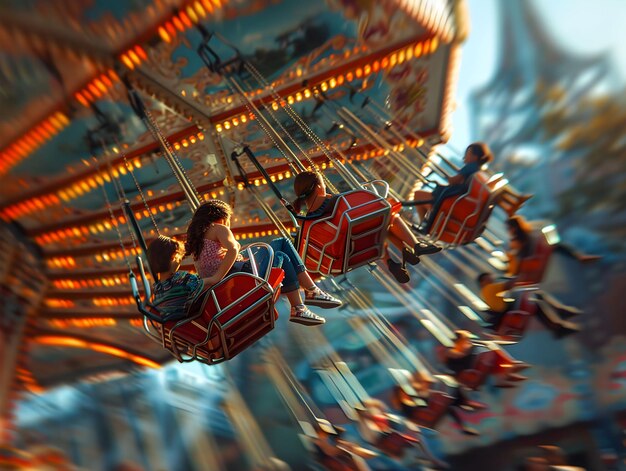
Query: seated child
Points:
[521, 245]
[311, 191]
[464, 355]
[216, 254]
[173, 290]
[551, 311]
[476, 156]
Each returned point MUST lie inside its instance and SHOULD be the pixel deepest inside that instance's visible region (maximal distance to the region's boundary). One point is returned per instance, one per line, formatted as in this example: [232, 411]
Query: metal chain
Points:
[121, 197]
[257, 75]
[129, 167]
[293, 114]
[160, 137]
[247, 103]
[119, 189]
[115, 223]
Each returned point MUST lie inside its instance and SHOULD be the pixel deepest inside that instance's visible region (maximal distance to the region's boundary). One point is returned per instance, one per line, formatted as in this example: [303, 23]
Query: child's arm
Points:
[464, 173]
[227, 240]
[456, 179]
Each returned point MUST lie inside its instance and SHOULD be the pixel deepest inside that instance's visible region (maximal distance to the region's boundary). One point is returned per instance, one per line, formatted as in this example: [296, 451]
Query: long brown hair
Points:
[205, 215]
[521, 230]
[303, 186]
[482, 151]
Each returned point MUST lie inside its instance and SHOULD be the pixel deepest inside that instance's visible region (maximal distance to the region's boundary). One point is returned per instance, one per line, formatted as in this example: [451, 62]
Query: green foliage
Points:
[592, 131]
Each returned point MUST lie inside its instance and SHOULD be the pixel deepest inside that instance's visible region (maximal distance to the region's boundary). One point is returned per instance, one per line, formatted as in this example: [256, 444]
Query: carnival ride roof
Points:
[61, 71]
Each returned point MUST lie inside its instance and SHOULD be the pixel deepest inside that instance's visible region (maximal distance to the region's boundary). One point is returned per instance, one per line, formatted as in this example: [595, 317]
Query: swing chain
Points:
[174, 162]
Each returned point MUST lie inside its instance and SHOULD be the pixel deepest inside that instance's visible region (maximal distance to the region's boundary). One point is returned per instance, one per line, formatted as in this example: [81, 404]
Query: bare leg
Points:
[305, 280]
[294, 297]
[400, 231]
[422, 209]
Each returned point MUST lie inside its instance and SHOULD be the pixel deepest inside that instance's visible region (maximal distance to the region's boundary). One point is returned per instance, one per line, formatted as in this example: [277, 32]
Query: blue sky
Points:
[581, 26]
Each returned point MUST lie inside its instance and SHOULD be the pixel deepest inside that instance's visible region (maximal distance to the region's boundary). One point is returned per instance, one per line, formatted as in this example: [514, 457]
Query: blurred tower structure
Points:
[554, 123]
[536, 81]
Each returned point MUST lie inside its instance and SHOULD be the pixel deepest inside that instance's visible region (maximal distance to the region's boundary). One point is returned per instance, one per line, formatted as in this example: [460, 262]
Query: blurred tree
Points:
[592, 131]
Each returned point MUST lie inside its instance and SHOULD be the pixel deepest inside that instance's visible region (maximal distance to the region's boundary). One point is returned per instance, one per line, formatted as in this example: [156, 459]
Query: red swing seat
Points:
[476, 376]
[437, 405]
[532, 268]
[515, 321]
[224, 320]
[513, 325]
[460, 219]
[232, 316]
[395, 443]
[485, 363]
[351, 236]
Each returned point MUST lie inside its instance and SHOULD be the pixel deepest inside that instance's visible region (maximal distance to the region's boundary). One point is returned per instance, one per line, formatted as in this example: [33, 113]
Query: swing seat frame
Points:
[351, 236]
[460, 219]
[515, 321]
[532, 269]
[225, 319]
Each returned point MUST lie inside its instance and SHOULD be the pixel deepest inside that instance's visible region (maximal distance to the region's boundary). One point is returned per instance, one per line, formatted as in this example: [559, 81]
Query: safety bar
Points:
[372, 184]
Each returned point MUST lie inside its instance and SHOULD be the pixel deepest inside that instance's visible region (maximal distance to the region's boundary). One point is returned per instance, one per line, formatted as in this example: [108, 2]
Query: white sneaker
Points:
[300, 314]
[317, 297]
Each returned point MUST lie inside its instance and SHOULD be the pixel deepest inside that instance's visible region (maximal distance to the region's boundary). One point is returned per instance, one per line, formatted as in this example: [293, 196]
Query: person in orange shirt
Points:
[551, 311]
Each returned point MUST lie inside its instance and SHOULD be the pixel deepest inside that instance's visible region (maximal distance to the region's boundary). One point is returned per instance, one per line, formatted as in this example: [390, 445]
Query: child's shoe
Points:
[317, 297]
[398, 271]
[300, 314]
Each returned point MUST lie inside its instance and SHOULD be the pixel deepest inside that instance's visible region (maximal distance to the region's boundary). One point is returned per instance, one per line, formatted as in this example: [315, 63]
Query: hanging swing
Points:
[486, 360]
[350, 236]
[532, 268]
[223, 320]
[456, 220]
[459, 219]
[513, 323]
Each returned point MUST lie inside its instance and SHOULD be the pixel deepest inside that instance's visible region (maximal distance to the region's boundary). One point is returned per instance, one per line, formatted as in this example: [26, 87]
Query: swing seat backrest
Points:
[459, 219]
[393, 444]
[226, 319]
[524, 299]
[513, 324]
[533, 267]
[437, 406]
[351, 236]
[484, 364]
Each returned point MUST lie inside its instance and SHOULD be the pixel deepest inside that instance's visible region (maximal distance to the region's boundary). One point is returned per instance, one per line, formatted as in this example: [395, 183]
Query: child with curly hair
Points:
[215, 252]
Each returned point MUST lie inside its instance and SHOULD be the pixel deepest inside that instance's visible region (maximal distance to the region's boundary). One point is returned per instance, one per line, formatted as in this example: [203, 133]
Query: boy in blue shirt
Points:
[174, 289]
[476, 155]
